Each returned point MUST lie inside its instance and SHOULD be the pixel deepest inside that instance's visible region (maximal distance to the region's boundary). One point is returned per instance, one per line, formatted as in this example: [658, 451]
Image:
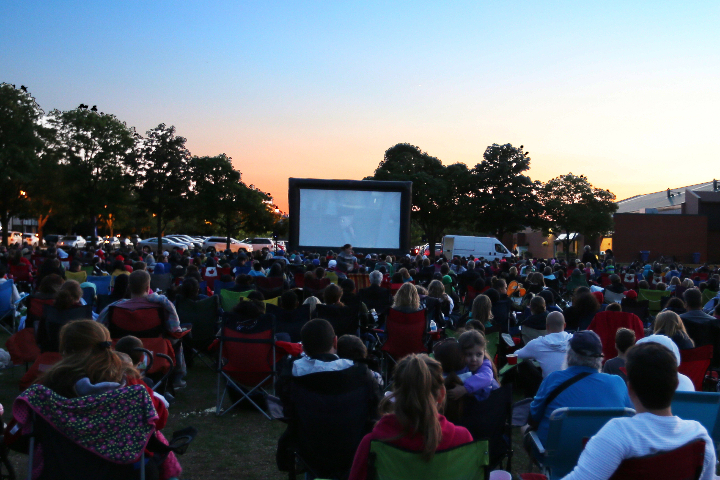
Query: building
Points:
[682, 224]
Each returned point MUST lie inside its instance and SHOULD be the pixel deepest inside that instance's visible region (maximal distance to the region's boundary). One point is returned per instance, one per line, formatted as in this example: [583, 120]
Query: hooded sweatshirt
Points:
[549, 351]
[390, 430]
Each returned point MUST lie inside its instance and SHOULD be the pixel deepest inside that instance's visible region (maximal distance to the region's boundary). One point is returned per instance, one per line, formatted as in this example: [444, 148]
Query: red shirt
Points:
[389, 427]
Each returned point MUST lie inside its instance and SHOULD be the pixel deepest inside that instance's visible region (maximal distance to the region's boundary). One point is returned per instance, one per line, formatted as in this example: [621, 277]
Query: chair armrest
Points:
[536, 441]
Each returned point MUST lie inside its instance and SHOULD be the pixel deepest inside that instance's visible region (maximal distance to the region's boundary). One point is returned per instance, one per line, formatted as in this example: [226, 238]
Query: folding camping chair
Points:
[48, 333]
[606, 325]
[569, 429]
[694, 363]
[8, 307]
[161, 281]
[89, 296]
[270, 287]
[22, 276]
[80, 277]
[220, 286]
[203, 315]
[491, 420]
[703, 407]
[228, 298]
[466, 462]
[405, 333]
[247, 360]
[683, 463]
[102, 284]
[654, 297]
[345, 320]
[612, 297]
[315, 287]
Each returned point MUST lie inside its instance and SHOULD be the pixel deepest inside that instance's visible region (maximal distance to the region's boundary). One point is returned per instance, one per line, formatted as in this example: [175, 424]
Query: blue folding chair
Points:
[7, 307]
[102, 284]
[89, 296]
[222, 285]
[569, 430]
[703, 407]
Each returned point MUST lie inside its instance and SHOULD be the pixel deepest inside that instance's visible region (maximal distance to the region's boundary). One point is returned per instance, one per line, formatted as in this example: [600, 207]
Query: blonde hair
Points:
[405, 274]
[669, 323]
[70, 293]
[687, 283]
[407, 297]
[436, 289]
[482, 309]
[418, 383]
[675, 281]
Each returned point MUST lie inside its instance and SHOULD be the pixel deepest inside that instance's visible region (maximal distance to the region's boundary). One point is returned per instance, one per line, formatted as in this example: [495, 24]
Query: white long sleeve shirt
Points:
[639, 436]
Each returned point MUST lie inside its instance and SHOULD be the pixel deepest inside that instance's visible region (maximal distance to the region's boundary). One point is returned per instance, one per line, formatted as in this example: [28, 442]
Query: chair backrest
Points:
[568, 431]
[219, 286]
[611, 296]
[345, 320]
[290, 321]
[203, 315]
[707, 295]
[394, 287]
[270, 286]
[53, 320]
[654, 298]
[316, 286]
[102, 284]
[332, 276]
[703, 407]
[501, 314]
[161, 281]
[21, 272]
[247, 348]
[79, 277]
[6, 292]
[683, 463]
[694, 363]
[605, 280]
[465, 462]
[228, 298]
[89, 295]
[142, 322]
[641, 308]
[362, 280]
[330, 426]
[406, 333]
[490, 420]
[606, 325]
[299, 279]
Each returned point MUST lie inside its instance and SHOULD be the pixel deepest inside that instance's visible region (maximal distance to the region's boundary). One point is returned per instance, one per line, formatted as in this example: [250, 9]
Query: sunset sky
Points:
[627, 93]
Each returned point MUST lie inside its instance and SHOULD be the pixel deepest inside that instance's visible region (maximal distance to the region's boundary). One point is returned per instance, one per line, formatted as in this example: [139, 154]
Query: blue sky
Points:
[624, 92]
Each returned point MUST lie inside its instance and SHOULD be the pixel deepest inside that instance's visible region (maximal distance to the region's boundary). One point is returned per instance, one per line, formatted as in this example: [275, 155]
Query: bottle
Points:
[433, 326]
[374, 315]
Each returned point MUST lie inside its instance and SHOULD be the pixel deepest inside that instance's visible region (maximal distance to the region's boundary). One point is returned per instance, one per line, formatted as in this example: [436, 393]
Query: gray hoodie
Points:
[549, 351]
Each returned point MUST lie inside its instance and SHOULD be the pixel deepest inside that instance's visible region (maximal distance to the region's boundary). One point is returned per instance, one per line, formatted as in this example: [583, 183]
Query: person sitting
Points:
[696, 321]
[407, 299]
[190, 290]
[684, 382]
[670, 324]
[590, 389]
[534, 326]
[139, 285]
[582, 311]
[90, 367]
[376, 296]
[652, 381]
[548, 350]
[352, 348]
[483, 376]
[313, 380]
[624, 339]
[412, 419]
[450, 355]
[257, 270]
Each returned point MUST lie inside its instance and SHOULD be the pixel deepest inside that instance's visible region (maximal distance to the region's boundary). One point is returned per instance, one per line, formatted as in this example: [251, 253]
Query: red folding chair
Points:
[683, 463]
[247, 360]
[394, 287]
[605, 280]
[299, 279]
[406, 333]
[606, 325]
[270, 287]
[630, 281]
[694, 363]
[315, 287]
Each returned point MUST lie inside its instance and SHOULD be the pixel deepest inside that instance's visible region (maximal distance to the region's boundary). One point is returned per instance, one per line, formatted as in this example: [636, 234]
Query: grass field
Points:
[239, 445]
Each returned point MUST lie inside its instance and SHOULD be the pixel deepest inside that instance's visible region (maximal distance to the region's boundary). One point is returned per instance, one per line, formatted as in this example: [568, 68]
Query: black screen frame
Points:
[297, 184]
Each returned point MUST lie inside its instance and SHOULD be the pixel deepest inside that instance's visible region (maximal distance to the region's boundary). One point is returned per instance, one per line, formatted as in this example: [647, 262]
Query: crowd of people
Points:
[555, 317]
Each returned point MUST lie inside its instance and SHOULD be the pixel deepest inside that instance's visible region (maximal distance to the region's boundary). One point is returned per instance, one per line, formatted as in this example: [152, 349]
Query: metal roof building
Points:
[667, 201]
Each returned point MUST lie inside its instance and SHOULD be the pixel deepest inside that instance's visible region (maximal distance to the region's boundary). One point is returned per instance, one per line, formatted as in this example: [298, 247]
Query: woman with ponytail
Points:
[412, 419]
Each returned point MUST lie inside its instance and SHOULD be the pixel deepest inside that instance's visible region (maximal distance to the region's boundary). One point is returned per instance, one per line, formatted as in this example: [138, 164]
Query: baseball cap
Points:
[586, 343]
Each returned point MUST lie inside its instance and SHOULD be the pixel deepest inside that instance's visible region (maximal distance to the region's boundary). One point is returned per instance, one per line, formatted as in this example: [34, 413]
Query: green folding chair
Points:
[466, 462]
[204, 316]
[654, 297]
[228, 299]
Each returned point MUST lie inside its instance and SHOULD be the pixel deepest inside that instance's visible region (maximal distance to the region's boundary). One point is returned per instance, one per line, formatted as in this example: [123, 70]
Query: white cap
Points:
[665, 342]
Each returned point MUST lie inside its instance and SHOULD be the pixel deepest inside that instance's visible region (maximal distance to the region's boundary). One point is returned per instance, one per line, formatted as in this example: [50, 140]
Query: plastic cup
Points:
[500, 475]
[512, 360]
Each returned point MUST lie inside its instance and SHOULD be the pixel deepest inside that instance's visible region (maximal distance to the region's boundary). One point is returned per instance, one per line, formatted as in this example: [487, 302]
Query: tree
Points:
[223, 199]
[94, 149]
[436, 189]
[502, 198]
[22, 141]
[572, 204]
[162, 176]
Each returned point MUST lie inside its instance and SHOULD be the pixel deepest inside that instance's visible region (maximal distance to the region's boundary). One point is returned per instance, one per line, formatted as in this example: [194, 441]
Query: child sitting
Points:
[129, 345]
[483, 378]
[352, 348]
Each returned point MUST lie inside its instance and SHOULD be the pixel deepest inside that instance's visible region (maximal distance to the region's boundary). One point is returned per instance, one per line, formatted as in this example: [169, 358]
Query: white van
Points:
[489, 248]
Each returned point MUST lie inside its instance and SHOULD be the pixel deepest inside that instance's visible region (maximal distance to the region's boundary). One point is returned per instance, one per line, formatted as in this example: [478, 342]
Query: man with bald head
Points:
[549, 350]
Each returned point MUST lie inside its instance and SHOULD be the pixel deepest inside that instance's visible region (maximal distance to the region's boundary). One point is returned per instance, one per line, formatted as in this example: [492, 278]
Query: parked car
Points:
[70, 241]
[220, 244]
[31, 239]
[111, 242]
[425, 250]
[197, 241]
[191, 242]
[51, 238]
[260, 243]
[167, 244]
[95, 241]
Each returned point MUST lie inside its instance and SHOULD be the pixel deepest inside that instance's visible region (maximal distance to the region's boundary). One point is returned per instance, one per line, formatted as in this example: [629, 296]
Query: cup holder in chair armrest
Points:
[182, 439]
